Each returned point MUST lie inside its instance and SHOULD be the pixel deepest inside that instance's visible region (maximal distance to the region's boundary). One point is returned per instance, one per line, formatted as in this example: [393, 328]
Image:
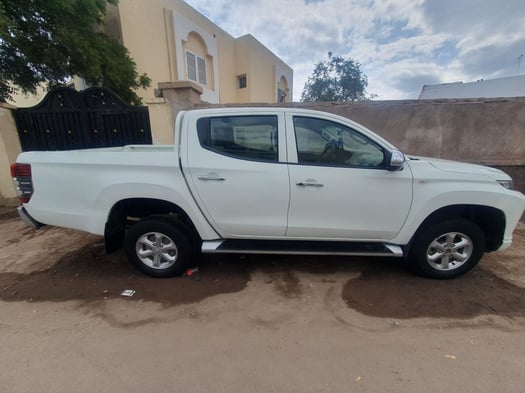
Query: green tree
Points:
[48, 41]
[337, 79]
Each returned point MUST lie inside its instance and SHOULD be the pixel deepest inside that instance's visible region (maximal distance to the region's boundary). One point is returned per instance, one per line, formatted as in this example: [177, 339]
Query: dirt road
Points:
[252, 324]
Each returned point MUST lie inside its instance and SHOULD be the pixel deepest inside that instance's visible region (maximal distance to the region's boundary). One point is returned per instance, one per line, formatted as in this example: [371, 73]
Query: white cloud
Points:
[401, 44]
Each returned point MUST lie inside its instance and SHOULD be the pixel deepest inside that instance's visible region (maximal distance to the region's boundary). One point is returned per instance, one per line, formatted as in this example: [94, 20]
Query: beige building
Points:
[170, 41]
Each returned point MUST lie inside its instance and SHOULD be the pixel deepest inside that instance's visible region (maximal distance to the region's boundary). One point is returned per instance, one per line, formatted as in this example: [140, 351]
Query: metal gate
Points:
[67, 119]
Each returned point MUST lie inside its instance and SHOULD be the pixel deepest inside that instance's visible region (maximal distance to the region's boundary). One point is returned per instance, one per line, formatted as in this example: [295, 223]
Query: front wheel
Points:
[158, 248]
[447, 249]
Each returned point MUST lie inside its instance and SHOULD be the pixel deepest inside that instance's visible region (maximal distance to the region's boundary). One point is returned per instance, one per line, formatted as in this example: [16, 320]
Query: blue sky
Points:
[401, 44]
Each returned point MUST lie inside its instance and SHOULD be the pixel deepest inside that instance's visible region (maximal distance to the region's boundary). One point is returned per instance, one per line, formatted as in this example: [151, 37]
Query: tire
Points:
[158, 248]
[182, 227]
[447, 249]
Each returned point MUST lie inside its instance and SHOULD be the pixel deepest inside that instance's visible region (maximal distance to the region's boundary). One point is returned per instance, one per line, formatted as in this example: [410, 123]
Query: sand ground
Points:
[252, 323]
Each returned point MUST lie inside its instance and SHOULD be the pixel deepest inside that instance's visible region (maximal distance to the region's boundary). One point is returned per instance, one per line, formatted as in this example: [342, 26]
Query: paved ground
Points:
[252, 324]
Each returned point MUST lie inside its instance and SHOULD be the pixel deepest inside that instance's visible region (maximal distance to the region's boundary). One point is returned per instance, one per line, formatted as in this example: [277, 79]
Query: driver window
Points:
[322, 142]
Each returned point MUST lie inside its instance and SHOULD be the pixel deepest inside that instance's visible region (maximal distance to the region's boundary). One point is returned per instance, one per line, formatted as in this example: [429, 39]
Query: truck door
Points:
[236, 168]
[340, 187]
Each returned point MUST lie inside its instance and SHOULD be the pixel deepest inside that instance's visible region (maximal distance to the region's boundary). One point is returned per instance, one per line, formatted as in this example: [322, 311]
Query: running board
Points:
[300, 247]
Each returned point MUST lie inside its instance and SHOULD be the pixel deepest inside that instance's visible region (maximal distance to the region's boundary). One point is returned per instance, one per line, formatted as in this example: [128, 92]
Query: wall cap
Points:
[180, 85]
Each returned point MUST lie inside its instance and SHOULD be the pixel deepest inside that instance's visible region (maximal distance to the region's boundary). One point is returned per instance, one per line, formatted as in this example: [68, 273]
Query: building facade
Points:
[512, 86]
[171, 41]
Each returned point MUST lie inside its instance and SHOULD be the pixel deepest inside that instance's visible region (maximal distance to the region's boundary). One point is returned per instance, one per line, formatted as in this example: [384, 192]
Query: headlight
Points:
[508, 184]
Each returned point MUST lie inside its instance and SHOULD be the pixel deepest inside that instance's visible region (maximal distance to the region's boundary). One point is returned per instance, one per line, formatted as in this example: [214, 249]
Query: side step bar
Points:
[300, 247]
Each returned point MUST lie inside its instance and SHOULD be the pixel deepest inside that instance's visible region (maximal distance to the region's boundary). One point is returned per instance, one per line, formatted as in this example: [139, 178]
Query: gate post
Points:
[9, 150]
[180, 95]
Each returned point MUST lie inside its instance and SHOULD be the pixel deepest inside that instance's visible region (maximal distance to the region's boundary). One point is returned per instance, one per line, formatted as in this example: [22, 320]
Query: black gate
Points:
[67, 119]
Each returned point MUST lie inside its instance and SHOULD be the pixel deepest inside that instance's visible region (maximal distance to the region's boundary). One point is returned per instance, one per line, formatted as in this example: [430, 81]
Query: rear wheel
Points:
[447, 249]
[158, 248]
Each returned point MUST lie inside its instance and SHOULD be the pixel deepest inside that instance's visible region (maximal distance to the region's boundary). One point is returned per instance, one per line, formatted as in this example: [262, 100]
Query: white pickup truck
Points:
[272, 180]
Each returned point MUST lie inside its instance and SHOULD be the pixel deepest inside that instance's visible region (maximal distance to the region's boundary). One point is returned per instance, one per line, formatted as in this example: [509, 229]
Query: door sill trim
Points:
[300, 247]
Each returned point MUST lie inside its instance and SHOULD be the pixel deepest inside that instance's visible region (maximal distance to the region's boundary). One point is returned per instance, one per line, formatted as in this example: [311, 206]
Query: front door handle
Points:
[307, 183]
[211, 178]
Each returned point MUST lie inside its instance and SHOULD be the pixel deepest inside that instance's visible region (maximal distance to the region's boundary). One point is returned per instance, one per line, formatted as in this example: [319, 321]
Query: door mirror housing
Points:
[396, 160]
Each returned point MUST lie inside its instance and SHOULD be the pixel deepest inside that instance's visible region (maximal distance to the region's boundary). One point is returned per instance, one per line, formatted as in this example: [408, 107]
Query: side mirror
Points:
[397, 159]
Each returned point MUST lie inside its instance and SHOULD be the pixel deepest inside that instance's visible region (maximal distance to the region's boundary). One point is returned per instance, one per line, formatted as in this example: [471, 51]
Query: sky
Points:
[400, 44]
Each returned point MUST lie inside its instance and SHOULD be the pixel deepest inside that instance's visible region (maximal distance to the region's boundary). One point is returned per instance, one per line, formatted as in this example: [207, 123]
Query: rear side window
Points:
[244, 137]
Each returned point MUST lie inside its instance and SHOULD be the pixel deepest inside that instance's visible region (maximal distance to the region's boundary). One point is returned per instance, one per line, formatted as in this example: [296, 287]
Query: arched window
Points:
[199, 64]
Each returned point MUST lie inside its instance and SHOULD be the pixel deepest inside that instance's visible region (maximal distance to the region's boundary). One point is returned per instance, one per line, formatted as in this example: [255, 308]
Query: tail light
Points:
[21, 174]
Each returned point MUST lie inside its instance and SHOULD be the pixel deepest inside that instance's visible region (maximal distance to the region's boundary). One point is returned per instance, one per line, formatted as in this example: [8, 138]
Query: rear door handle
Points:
[309, 184]
[211, 178]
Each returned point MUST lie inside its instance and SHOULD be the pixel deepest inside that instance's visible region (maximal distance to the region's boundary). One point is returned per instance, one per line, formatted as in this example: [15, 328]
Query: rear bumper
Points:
[24, 215]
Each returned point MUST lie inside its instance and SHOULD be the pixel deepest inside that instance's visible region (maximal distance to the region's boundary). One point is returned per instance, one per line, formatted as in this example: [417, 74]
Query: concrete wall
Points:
[162, 121]
[9, 150]
[482, 131]
[487, 131]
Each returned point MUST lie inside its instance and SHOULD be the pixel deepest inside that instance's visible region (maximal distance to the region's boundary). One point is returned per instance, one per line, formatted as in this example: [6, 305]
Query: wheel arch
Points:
[489, 219]
[126, 211]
